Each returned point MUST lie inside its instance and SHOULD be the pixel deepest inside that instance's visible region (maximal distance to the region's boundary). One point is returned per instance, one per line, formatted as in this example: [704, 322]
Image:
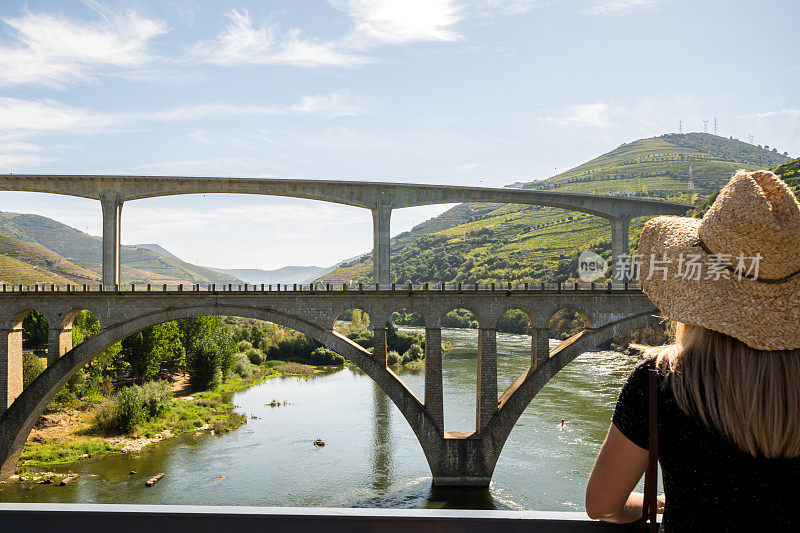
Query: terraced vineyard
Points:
[510, 243]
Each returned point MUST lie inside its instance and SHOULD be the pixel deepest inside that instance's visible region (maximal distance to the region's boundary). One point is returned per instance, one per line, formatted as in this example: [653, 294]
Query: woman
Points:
[729, 388]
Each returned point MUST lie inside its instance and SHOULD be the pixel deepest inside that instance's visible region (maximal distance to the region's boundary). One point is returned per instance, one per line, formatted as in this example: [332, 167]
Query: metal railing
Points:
[324, 287]
[43, 518]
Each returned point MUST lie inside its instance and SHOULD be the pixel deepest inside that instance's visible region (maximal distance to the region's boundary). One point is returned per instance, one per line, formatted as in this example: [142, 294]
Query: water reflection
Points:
[381, 446]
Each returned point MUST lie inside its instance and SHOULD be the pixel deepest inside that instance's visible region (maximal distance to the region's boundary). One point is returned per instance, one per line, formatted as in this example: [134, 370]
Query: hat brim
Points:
[763, 316]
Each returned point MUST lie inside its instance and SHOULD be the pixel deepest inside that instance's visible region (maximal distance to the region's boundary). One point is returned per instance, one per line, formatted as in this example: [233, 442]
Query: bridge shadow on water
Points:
[425, 495]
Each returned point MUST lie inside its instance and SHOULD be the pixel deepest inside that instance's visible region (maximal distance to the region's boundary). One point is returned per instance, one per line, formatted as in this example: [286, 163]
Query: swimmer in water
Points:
[562, 426]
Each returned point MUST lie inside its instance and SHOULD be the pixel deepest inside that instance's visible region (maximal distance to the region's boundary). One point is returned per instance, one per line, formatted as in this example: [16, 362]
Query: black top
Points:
[709, 483]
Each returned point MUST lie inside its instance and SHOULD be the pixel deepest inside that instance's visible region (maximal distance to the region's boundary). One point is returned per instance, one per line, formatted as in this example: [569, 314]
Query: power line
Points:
[715, 125]
[705, 126]
[680, 126]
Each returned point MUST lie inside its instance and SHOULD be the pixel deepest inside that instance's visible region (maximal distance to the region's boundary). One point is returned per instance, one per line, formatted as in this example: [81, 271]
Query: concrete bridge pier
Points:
[462, 461]
[59, 343]
[486, 402]
[434, 399]
[620, 246]
[10, 366]
[112, 218]
[381, 216]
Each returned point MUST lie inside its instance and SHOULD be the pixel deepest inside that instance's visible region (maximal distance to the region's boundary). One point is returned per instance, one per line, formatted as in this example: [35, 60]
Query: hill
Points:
[24, 262]
[283, 275]
[69, 246]
[790, 173]
[519, 243]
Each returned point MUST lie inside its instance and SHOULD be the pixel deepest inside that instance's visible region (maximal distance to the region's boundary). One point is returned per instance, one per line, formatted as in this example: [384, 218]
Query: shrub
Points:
[392, 358]
[32, 366]
[243, 346]
[156, 397]
[326, 356]
[242, 365]
[255, 356]
[414, 353]
[131, 410]
[106, 415]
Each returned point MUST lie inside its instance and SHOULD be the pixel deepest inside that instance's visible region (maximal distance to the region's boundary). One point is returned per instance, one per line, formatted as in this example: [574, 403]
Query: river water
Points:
[371, 458]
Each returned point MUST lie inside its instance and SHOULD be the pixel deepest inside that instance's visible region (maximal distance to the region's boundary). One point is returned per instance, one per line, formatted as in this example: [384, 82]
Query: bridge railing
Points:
[323, 287]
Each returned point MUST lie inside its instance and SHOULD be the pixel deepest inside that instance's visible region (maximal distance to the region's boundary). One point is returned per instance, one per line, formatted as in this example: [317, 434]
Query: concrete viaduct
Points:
[455, 458]
[380, 198]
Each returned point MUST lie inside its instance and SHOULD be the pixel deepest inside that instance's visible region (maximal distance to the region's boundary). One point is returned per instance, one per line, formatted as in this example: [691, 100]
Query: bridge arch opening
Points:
[406, 348]
[355, 324]
[460, 345]
[516, 345]
[566, 322]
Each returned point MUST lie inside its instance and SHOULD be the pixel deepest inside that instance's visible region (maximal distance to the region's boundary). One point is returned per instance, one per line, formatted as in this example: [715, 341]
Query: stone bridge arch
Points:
[18, 420]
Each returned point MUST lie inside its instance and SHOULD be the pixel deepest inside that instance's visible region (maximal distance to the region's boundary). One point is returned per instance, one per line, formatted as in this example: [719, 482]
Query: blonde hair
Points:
[750, 396]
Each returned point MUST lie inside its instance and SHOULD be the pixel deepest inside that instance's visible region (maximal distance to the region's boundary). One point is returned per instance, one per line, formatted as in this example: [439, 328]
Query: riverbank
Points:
[70, 434]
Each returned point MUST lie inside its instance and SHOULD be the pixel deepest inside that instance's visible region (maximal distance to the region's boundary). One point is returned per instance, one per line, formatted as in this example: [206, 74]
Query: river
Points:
[371, 458]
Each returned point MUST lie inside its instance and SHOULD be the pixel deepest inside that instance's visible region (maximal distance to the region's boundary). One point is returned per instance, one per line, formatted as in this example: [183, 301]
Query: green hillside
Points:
[790, 173]
[24, 262]
[517, 243]
[84, 251]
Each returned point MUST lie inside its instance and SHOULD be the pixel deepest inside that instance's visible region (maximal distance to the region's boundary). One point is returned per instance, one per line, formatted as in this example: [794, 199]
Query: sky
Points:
[461, 92]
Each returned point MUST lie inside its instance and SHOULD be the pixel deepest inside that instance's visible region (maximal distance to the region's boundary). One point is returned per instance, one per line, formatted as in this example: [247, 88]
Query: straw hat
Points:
[747, 247]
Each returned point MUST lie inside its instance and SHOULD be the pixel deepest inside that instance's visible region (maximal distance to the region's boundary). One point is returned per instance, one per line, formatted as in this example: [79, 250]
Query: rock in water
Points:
[155, 479]
[67, 480]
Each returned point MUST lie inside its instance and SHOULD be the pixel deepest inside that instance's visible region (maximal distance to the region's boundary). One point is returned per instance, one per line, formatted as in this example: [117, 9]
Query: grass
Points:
[47, 454]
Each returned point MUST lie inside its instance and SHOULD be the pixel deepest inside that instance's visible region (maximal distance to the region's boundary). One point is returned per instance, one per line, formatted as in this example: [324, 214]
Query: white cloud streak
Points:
[241, 42]
[596, 115]
[53, 51]
[617, 6]
[389, 21]
[788, 112]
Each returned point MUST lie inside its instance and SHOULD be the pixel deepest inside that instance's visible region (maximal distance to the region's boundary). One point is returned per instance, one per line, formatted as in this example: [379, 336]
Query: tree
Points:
[154, 349]
[34, 330]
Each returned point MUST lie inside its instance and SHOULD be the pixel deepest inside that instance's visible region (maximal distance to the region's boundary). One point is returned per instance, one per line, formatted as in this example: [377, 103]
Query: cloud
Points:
[22, 119]
[53, 50]
[788, 112]
[392, 22]
[616, 6]
[19, 116]
[596, 114]
[241, 42]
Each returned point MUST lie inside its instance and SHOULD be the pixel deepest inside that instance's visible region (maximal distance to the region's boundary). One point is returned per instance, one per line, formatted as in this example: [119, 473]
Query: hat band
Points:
[738, 272]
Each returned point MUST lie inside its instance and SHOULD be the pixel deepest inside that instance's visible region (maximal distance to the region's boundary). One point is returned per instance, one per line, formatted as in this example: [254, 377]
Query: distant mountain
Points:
[67, 244]
[157, 249]
[487, 243]
[284, 275]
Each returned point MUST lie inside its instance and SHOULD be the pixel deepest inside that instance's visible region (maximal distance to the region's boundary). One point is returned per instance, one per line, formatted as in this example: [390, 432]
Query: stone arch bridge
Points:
[455, 458]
